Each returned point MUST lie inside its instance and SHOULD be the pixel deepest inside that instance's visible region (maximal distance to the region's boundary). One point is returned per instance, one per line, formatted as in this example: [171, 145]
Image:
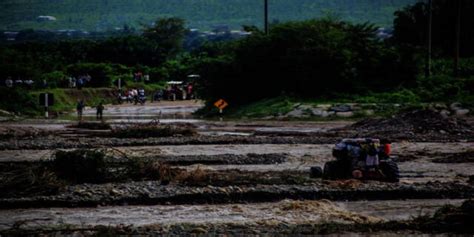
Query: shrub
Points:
[198, 176]
[80, 166]
[140, 169]
[32, 179]
[402, 96]
[18, 101]
[55, 79]
[439, 88]
[92, 125]
[446, 67]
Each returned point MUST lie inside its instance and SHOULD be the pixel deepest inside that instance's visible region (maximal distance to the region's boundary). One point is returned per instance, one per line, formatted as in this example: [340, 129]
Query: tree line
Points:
[324, 58]
[330, 59]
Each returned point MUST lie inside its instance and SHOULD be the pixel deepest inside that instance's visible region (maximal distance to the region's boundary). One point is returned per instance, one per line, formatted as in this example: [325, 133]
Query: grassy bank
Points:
[66, 99]
[26, 102]
[380, 104]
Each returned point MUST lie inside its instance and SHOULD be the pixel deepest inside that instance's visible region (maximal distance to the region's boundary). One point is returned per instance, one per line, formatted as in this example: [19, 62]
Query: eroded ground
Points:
[242, 177]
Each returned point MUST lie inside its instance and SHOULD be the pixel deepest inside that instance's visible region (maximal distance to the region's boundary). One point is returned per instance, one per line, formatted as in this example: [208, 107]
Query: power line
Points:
[429, 46]
[458, 38]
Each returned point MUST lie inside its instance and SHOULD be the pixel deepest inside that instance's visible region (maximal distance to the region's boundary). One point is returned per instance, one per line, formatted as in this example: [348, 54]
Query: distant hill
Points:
[98, 15]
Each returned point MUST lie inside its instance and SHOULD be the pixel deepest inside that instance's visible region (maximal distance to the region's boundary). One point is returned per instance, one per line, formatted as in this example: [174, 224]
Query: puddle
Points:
[224, 133]
[144, 120]
[138, 112]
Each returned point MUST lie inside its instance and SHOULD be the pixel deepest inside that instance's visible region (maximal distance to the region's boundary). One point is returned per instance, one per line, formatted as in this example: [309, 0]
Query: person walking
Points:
[135, 95]
[100, 111]
[80, 109]
[80, 83]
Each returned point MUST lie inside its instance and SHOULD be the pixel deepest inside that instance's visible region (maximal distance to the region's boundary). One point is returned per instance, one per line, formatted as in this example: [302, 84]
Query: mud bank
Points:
[54, 142]
[224, 159]
[42, 143]
[461, 157]
[416, 124]
[406, 151]
[152, 193]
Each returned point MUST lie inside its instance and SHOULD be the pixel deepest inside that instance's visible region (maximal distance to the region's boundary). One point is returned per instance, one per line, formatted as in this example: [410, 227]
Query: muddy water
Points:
[178, 109]
[287, 211]
[398, 210]
[164, 120]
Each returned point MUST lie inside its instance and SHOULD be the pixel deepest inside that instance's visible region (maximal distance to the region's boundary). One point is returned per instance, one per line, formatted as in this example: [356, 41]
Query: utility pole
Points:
[430, 33]
[266, 16]
[458, 38]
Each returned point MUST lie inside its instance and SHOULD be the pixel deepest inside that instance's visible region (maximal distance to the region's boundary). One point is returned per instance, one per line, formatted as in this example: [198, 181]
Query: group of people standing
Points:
[175, 92]
[80, 82]
[132, 96]
[80, 106]
[138, 77]
[9, 82]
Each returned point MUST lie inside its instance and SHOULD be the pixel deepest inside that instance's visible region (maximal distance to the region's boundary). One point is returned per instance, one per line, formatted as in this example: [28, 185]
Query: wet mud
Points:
[462, 157]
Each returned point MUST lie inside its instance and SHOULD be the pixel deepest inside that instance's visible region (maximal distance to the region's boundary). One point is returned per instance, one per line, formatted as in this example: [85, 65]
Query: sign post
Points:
[46, 112]
[46, 100]
[221, 105]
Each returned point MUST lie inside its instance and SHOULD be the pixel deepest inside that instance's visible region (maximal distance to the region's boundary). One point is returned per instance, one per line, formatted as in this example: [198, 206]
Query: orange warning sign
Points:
[221, 104]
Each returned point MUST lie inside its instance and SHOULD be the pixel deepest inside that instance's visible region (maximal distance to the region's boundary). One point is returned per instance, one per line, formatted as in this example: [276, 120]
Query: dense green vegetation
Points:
[157, 52]
[331, 60]
[100, 15]
[153, 52]
[310, 59]
[18, 101]
[410, 26]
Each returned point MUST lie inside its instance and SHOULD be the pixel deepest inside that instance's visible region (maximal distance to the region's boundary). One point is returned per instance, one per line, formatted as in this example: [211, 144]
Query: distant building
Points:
[384, 33]
[224, 35]
[240, 33]
[45, 18]
[10, 35]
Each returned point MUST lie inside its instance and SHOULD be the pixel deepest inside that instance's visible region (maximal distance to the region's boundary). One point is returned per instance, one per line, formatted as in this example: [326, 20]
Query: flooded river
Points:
[416, 167]
[287, 211]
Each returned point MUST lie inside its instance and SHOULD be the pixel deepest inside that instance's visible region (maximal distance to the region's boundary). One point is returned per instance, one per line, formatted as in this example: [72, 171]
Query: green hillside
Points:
[108, 14]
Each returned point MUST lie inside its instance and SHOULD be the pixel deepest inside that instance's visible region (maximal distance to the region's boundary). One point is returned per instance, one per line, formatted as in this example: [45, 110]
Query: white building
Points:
[45, 18]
